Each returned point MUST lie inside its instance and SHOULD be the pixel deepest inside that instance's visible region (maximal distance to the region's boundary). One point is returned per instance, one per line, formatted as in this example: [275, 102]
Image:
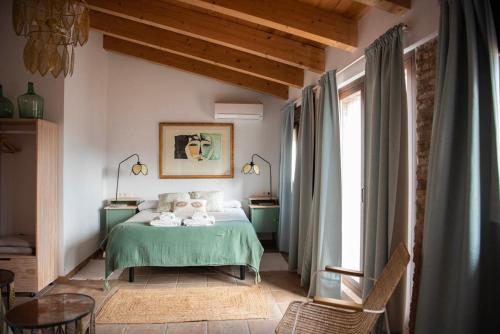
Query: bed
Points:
[230, 241]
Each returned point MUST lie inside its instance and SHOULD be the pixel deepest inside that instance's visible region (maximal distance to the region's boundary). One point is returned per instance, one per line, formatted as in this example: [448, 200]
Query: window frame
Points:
[409, 63]
[344, 92]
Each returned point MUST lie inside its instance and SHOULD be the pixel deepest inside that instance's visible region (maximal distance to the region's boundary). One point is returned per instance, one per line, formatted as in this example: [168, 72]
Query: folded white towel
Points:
[166, 219]
[197, 215]
[167, 216]
[206, 221]
[191, 222]
[165, 223]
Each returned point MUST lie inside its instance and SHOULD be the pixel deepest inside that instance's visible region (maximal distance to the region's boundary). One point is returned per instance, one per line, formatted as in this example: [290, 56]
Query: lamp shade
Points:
[139, 168]
[251, 168]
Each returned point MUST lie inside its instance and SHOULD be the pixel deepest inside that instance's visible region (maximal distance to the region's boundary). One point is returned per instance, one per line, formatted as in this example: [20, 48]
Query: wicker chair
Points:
[328, 315]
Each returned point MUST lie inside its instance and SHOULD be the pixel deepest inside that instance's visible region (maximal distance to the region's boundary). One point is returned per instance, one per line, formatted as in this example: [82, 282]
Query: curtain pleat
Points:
[285, 184]
[324, 237]
[303, 182]
[459, 286]
[385, 170]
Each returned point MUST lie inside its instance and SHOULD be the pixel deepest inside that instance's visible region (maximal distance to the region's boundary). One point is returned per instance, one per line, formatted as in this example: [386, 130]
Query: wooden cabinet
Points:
[29, 198]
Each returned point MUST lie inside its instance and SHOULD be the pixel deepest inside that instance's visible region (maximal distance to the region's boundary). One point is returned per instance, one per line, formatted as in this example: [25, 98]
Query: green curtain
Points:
[459, 286]
[285, 184]
[385, 156]
[303, 182]
[324, 237]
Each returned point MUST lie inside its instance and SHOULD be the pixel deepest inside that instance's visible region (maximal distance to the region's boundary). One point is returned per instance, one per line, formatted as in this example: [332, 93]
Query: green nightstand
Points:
[117, 215]
[264, 214]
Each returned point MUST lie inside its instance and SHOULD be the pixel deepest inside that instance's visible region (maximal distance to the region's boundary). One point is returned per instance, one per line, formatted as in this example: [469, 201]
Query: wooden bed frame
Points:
[131, 273]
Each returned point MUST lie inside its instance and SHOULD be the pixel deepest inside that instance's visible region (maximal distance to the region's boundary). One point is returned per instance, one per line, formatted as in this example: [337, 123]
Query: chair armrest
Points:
[344, 304]
[343, 271]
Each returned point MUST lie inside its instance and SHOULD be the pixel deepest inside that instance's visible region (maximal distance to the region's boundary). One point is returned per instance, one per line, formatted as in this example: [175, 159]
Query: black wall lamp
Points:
[252, 168]
[137, 168]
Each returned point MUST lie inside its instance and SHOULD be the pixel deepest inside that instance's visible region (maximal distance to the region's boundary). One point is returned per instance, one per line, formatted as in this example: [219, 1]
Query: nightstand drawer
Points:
[115, 216]
[265, 220]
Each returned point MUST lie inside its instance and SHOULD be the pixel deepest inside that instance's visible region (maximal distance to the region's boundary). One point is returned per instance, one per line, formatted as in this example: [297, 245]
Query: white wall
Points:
[84, 135]
[422, 21]
[142, 94]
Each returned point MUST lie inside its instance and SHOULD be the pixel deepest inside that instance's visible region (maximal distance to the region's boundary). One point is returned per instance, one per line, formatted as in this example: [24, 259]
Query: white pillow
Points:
[187, 208]
[19, 240]
[230, 204]
[215, 199]
[165, 200]
[149, 204]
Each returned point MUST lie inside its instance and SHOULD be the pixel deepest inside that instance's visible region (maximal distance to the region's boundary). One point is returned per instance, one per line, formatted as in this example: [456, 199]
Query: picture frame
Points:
[196, 150]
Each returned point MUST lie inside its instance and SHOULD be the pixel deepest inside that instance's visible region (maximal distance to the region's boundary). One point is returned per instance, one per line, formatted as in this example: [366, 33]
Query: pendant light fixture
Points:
[53, 28]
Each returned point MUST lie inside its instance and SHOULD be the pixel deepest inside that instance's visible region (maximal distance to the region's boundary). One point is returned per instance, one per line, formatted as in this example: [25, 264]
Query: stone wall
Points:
[425, 72]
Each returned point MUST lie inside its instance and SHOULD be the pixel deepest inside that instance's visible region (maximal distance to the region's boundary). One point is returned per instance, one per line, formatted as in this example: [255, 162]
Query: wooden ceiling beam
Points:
[290, 16]
[198, 49]
[166, 15]
[195, 66]
[399, 7]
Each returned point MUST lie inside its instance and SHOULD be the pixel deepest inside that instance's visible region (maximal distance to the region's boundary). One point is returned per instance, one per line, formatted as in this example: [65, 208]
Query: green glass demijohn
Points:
[6, 107]
[30, 105]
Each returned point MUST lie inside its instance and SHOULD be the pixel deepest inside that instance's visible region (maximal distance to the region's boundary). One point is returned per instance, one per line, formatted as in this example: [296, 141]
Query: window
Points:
[351, 150]
[409, 65]
[295, 137]
[294, 151]
[351, 98]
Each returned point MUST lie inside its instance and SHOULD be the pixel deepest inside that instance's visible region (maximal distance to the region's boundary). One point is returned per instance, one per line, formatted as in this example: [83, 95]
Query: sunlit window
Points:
[294, 152]
[351, 134]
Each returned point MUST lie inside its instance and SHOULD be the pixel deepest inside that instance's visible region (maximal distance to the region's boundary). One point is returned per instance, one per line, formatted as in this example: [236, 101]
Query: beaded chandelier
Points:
[53, 28]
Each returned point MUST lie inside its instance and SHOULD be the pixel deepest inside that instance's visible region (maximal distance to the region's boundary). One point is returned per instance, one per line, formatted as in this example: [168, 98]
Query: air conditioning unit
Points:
[248, 111]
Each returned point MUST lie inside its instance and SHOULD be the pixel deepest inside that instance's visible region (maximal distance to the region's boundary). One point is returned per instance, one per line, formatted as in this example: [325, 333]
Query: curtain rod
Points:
[298, 101]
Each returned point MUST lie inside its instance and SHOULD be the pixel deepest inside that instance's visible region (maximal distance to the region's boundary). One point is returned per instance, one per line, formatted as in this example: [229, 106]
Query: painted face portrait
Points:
[199, 147]
[193, 148]
[211, 146]
[206, 146]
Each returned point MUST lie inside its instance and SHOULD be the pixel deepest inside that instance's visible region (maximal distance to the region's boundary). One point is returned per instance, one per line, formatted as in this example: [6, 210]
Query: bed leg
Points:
[131, 274]
[242, 272]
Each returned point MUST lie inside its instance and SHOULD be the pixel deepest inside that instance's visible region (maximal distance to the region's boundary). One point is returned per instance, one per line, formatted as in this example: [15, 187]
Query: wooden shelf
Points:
[255, 206]
[18, 126]
[260, 198]
[16, 256]
[18, 121]
[263, 202]
[124, 207]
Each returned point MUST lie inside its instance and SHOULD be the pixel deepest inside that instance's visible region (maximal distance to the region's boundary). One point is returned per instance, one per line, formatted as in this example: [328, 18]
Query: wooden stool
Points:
[58, 312]
[7, 283]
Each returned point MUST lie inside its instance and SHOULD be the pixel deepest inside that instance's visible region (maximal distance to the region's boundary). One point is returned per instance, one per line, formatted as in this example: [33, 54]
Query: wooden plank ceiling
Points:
[264, 45]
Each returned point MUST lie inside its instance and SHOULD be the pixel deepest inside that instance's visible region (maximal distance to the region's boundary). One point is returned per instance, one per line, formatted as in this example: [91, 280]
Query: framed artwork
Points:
[196, 150]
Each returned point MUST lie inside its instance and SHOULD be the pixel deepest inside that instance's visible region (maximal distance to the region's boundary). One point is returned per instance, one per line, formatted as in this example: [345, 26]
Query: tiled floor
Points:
[280, 287]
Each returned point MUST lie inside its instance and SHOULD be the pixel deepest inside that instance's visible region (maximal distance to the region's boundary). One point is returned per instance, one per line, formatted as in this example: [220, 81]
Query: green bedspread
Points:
[136, 244]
